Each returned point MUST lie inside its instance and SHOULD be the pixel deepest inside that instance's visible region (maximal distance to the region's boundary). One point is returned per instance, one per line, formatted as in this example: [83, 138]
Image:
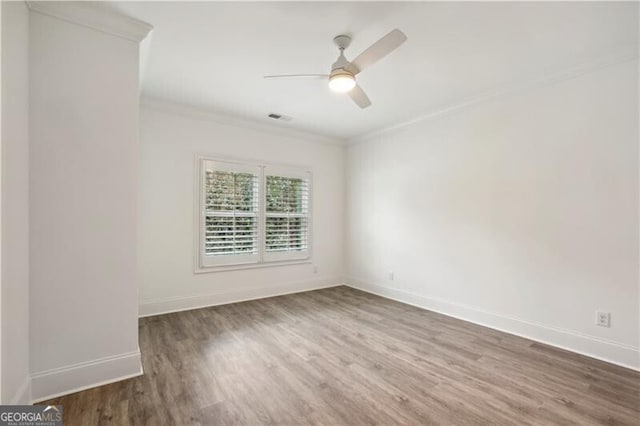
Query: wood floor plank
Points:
[340, 356]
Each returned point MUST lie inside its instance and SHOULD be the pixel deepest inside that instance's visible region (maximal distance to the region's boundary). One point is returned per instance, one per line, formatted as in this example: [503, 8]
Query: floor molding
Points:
[177, 304]
[23, 395]
[73, 378]
[591, 346]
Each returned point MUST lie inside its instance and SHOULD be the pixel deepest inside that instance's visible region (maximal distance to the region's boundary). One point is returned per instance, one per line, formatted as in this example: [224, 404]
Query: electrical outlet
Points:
[603, 319]
[390, 275]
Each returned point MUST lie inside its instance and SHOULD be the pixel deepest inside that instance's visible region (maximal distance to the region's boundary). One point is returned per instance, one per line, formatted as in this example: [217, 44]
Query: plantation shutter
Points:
[230, 213]
[287, 203]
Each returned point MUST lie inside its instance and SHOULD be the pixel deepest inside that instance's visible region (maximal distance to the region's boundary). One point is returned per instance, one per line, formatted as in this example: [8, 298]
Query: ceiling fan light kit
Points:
[342, 78]
[341, 81]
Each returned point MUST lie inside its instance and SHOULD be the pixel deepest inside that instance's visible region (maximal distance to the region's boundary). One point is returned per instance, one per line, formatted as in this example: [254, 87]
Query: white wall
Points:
[520, 213]
[169, 143]
[15, 203]
[83, 195]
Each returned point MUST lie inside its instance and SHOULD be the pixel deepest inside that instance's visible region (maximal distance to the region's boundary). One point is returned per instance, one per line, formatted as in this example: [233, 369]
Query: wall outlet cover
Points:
[603, 319]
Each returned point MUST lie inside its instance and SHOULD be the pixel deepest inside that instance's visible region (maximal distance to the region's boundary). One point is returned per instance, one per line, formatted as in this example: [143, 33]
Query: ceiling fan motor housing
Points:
[341, 66]
[341, 78]
[340, 73]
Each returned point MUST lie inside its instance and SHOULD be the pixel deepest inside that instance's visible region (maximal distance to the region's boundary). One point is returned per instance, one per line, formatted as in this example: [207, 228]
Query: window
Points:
[286, 215]
[230, 218]
[252, 214]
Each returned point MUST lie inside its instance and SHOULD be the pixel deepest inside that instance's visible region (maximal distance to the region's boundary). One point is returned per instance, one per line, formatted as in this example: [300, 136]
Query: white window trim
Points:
[281, 169]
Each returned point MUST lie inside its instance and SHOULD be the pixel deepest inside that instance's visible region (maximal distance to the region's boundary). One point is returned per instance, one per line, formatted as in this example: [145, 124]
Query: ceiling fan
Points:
[343, 73]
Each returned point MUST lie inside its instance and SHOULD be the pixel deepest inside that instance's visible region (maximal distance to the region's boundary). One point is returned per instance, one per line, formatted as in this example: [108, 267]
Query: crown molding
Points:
[625, 55]
[235, 121]
[95, 16]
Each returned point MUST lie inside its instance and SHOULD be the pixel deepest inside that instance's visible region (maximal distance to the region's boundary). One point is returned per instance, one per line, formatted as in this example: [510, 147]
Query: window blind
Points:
[251, 213]
[286, 216]
[231, 214]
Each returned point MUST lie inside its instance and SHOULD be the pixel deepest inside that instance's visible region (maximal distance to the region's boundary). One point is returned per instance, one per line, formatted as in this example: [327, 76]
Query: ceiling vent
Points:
[279, 117]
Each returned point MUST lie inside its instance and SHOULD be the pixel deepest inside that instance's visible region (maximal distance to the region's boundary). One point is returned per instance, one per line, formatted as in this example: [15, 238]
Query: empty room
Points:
[319, 213]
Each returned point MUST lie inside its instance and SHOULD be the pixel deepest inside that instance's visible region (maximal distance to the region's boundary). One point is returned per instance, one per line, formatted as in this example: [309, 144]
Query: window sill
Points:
[238, 267]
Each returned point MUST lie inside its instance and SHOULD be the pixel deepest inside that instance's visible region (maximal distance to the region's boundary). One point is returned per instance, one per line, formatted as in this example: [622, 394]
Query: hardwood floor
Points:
[343, 357]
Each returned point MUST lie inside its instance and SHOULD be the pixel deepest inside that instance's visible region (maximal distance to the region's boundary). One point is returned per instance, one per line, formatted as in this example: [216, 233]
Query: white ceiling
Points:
[213, 54]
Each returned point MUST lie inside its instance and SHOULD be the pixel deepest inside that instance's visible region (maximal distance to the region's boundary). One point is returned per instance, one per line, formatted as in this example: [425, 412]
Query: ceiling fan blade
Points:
[298, 76]
[359, 97]
[379, 50]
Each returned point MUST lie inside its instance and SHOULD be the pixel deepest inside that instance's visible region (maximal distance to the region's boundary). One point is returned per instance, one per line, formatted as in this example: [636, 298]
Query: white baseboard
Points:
[23, 395]
[73, 378]
[591, 346]
[176, 304]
